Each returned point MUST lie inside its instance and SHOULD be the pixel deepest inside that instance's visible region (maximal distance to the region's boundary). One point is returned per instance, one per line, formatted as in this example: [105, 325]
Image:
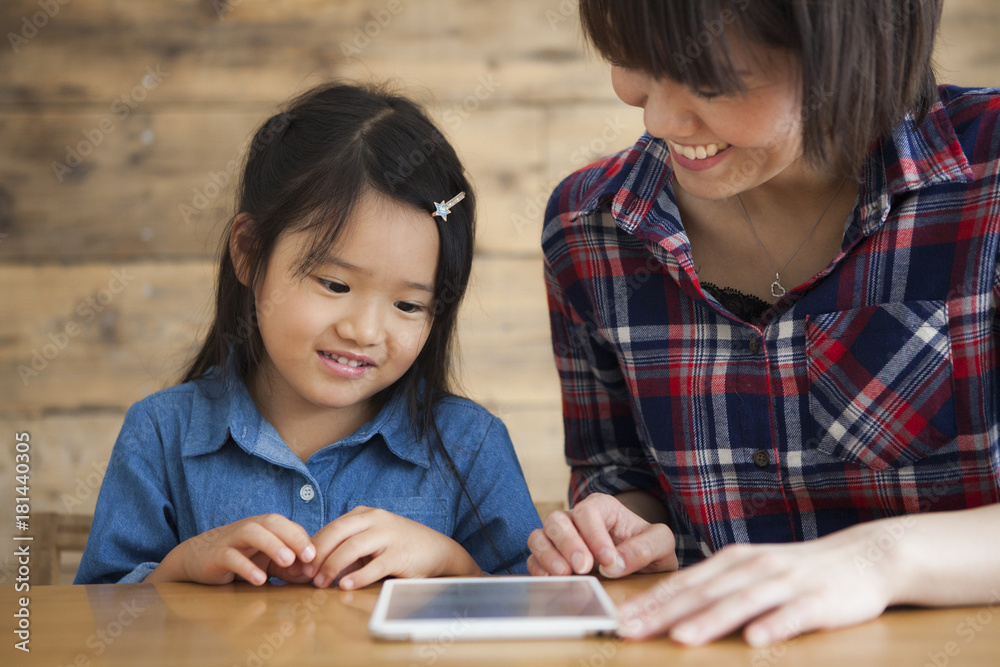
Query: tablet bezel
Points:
[472, 628]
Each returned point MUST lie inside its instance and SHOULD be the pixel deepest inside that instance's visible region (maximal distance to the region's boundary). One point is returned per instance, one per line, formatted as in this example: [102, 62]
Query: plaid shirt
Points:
[870, 391]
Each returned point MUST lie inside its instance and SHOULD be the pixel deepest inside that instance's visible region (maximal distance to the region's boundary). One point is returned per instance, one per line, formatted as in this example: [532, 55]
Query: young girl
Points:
[775, 320]
[314, 437]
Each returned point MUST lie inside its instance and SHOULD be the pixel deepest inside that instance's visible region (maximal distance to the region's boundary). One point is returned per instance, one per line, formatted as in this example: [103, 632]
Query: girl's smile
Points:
[345, 364]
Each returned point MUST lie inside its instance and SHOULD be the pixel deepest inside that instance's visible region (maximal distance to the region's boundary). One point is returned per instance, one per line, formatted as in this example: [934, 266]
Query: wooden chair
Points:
[55, 533]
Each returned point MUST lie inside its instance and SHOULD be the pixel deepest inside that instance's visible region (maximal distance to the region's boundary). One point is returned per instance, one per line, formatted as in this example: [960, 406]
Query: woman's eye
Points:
[408, 307]
[707, 94]
[335, 286]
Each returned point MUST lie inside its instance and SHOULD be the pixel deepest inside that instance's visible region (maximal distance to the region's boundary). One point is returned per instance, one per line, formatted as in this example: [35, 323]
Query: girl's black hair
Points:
[306, 169]
[864, 64]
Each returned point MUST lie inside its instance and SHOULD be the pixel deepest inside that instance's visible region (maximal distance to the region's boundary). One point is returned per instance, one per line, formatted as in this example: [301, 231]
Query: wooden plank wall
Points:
[119, 124]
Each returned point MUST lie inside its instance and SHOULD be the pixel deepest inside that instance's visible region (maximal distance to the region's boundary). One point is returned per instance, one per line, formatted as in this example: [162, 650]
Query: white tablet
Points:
[498, 607]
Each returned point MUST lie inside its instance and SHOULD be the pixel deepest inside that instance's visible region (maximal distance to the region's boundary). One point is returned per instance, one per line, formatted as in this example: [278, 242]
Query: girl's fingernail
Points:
[346, 584]
[308, 553]
[685, 634]
[319, 581]
[259, 577]
[757, 637]
[286, 556]
[615, 570]
[308, 570]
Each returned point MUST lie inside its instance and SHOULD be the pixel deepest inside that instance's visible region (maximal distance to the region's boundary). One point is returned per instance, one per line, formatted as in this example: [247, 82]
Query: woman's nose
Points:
[667, 113]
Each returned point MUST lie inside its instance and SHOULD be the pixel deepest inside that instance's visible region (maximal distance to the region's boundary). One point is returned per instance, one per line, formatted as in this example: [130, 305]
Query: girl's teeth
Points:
[344, 360]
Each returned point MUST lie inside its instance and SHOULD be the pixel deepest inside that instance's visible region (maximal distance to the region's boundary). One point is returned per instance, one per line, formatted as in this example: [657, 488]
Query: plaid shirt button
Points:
[761, 459]
[754, 345]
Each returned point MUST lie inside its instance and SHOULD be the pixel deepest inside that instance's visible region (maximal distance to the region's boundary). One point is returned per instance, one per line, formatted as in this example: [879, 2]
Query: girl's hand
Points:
[366, 545]
[600, 530]
[773, 591]
[251, 549]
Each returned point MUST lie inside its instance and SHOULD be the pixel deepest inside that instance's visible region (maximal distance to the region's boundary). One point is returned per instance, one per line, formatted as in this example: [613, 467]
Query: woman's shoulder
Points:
[588, 186]
[958, 98]
[974, 113]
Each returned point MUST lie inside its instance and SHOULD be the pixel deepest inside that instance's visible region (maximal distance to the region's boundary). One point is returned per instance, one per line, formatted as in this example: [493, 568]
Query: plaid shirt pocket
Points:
[881, 387]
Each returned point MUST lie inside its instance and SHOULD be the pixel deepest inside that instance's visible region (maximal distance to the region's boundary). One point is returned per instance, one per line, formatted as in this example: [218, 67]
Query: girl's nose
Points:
[361, 324]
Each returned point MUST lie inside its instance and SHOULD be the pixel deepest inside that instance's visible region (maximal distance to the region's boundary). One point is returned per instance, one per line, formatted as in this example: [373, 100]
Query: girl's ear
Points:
[240, 245]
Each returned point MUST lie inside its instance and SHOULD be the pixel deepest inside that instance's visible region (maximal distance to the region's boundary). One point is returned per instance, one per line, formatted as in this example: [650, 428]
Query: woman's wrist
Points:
[892, 551]
[936, 558]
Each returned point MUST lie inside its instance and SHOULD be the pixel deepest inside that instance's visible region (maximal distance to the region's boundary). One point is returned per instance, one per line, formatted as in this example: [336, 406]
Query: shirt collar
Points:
[912, 157]
[917, 156]
[630, 180]
[226, 409]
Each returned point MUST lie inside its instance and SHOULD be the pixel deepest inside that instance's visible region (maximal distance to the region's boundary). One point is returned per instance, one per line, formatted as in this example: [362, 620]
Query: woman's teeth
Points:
[699, 152]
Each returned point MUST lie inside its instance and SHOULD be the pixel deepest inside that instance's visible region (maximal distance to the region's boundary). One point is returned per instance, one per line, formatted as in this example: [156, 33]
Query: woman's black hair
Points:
[306, 169]
[864, 64]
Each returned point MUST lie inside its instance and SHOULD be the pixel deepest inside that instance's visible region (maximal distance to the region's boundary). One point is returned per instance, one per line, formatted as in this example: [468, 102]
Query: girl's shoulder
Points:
[179, 396]
[458, 408]
[201, 406]
[466, 426]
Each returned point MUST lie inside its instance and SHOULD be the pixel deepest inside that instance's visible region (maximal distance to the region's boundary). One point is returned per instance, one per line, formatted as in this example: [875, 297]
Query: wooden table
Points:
[190, 624]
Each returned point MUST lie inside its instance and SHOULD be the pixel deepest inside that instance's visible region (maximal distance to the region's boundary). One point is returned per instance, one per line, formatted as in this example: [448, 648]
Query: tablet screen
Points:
[495, 599]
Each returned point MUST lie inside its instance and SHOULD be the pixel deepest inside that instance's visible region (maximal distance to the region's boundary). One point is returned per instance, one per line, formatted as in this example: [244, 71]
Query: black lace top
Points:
[747, 307]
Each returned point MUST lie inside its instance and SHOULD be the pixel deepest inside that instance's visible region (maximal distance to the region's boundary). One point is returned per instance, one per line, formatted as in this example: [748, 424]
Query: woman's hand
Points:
[774, 591]
[252, 549]
[600, 530]
[367, 544]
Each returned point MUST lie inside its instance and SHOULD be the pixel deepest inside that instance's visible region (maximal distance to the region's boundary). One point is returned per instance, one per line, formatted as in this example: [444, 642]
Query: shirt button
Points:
[306, 493]
[761, 459]
[754, 345]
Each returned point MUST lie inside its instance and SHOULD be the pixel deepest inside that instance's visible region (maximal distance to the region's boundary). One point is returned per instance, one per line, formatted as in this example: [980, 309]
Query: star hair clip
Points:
[442, 209]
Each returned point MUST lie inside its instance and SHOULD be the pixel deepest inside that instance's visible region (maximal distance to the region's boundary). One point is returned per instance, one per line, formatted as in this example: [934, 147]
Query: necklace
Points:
[777, 289]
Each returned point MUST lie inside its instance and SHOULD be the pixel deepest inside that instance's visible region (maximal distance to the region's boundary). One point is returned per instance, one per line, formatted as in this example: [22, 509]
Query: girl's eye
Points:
[334, 286]
[408, 307]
